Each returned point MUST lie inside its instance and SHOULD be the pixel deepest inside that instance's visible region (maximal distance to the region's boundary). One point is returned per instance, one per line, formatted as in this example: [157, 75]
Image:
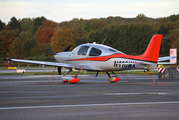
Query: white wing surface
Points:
[82, 66]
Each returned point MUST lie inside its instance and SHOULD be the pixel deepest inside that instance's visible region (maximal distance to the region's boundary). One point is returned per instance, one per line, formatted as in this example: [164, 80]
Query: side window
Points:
[83, 50]
[95, 52]
[112, 50]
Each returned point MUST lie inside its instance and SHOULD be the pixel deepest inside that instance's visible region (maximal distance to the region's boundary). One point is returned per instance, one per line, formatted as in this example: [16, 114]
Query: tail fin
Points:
[153, 49]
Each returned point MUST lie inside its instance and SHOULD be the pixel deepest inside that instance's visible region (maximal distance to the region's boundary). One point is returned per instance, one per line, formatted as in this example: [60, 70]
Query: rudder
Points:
[153, 49]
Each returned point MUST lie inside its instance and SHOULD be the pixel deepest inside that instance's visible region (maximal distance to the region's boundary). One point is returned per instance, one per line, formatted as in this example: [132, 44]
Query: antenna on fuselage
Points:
[104, 40]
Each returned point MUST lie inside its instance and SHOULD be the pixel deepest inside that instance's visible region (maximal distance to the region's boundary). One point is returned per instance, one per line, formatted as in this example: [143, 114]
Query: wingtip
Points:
[7, 59]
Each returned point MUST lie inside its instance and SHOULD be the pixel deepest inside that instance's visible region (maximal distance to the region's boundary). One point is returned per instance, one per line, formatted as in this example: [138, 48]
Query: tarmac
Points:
[31, 97]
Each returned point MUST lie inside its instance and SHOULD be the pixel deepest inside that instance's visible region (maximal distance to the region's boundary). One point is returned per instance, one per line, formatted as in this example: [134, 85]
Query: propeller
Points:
[54, 53]
[51, 51]
[67, 49]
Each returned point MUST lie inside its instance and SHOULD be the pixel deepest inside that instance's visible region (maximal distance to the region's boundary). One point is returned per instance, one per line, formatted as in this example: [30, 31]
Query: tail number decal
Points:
[124, 64]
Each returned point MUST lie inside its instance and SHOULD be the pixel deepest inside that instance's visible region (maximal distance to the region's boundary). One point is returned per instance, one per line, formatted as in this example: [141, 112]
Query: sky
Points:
[66, 10]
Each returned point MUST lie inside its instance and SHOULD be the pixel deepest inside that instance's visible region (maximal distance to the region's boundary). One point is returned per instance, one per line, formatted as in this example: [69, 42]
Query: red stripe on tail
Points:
[153, 49]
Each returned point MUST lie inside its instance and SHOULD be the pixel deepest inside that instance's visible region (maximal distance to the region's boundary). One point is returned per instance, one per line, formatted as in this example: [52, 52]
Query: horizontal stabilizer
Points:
[165, 63]
[166, 58]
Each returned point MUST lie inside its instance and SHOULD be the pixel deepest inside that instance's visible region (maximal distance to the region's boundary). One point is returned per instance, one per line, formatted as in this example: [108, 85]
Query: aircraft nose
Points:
[59, 57]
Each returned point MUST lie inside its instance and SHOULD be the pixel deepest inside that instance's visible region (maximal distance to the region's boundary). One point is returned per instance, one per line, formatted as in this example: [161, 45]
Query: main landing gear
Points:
[69, 79]
[114, 78]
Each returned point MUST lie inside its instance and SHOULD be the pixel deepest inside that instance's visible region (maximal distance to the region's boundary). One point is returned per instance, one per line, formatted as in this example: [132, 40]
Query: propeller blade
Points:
[51, 51]
[67, 49]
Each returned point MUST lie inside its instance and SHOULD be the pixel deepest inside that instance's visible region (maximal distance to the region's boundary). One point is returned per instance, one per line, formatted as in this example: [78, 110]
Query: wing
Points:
[80, 66]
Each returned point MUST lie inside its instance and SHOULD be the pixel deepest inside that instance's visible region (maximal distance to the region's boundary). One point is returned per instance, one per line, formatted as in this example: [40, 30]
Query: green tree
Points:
[30, 43]
[128, 38]
[39, 49]
[174, 18]
[141, 18]
[48, 24]
[95, 24]
[36, 23]
[26, 24]
[162, 29]
[14, 24]
[174, 38]
[6, 38]
[16, 49]
[25, 35]
[2, 25]
[165, 46]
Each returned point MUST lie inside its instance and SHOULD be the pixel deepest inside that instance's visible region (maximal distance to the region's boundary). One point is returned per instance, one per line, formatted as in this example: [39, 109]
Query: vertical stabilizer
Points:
[153, 49]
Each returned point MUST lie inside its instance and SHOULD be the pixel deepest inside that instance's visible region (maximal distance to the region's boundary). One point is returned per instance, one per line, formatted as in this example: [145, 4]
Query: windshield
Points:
[74, 50]
[83, 50]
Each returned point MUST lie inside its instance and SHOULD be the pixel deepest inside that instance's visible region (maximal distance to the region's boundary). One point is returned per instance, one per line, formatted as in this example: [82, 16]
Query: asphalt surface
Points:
[27, 97]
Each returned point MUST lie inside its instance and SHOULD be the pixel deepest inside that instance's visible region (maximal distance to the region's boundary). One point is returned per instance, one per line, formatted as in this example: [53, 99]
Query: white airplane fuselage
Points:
[103, 60]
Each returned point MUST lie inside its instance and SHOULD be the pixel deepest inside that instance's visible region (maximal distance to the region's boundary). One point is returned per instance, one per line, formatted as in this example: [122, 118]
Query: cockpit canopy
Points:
[94, 50]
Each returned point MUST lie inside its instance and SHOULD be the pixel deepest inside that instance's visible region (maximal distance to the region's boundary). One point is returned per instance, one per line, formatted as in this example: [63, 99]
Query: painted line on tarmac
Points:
[144, 93]
[88, 105]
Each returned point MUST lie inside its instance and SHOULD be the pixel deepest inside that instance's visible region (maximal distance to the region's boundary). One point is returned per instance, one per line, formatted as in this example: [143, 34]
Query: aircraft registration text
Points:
[124, 64]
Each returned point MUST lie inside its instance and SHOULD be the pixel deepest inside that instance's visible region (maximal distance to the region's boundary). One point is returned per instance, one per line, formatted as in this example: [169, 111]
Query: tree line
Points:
[29, 38]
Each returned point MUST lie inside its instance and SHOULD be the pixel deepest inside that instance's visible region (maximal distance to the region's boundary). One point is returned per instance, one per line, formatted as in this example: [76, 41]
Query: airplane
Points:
[102, 58]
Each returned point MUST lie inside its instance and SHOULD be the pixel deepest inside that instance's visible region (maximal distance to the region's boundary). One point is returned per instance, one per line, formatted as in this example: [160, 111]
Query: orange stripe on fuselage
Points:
[118, 55]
